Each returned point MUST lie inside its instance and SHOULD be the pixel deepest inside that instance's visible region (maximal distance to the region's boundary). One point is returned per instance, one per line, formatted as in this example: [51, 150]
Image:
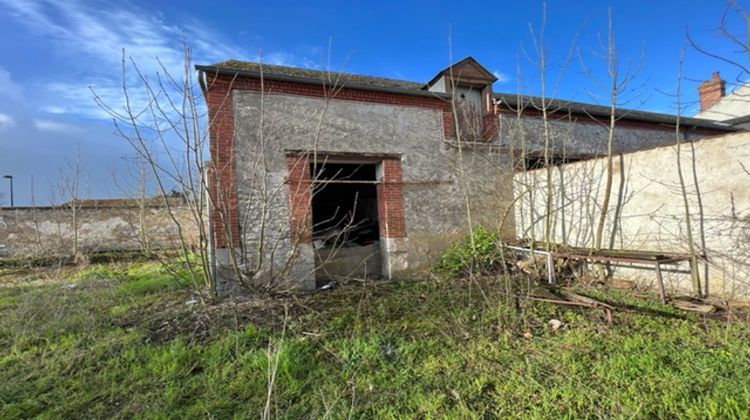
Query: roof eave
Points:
[315, 81]
[737, 120]
[446, 71]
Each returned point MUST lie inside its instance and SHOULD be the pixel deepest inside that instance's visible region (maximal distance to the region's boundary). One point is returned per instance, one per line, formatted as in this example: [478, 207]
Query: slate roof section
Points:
[738, 121]
[512, 102]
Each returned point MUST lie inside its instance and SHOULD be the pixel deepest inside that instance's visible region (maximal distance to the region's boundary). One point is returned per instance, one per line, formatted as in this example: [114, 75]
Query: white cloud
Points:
[54, 109]
[94, 36]
[501, 77]
[54, 126]
[8, 88]
[6, 121]
[77, 98]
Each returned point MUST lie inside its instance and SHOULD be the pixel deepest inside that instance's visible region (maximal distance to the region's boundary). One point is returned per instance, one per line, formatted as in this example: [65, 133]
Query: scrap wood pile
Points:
[566, 269]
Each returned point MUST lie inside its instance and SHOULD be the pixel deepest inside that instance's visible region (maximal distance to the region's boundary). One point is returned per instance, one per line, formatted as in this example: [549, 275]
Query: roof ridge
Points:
[255, 66]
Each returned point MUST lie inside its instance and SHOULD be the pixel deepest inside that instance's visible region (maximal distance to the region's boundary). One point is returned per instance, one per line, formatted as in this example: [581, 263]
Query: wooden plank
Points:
[550, 269]
[325, 156]
[660, 279]
[629, 259]
[575, 297]
[686, 305]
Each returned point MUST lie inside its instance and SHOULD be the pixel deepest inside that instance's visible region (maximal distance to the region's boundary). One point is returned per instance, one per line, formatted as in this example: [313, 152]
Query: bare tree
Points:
[548, 86]
[619, 84]
[163, 120]
[615, 89]
[69, 189]
[134, 184]
[740, 43]
[695, 276]
[167, 131]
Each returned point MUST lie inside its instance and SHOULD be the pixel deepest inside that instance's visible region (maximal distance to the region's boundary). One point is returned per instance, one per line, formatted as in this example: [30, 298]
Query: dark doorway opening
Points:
[346, 234]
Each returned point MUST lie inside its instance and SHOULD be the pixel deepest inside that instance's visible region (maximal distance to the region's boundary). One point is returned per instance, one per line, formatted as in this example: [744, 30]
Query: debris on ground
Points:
[534, 266]
[556, 324]
[573, 299]
[693, 305]
[738, 304]
[618, 283]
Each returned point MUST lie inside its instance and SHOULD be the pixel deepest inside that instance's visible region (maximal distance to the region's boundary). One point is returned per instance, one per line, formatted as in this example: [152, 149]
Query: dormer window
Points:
[471, 87]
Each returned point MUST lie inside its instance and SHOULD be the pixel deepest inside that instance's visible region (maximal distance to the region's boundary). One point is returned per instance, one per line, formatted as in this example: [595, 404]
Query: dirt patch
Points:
[172, 318]
[199, 322]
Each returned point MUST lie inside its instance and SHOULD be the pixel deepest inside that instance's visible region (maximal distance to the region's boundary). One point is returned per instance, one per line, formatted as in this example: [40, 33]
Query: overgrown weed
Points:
[123, 342]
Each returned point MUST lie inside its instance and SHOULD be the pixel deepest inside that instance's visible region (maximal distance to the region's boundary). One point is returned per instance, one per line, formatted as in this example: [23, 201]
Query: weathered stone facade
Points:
[582, 137]
[434, 205]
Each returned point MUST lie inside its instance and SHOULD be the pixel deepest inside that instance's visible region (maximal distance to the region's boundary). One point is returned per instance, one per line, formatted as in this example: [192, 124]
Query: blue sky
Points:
[51, 52]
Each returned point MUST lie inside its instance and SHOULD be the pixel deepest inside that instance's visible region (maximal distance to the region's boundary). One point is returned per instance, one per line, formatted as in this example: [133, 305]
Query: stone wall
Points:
[646, 195]
[47, 231]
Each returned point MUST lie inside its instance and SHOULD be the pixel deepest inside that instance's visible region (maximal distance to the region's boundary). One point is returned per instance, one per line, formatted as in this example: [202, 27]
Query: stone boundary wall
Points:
[646, 195]
[48, 231]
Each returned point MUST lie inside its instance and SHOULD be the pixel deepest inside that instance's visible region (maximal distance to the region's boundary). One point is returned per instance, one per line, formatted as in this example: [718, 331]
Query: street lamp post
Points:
[10, 178]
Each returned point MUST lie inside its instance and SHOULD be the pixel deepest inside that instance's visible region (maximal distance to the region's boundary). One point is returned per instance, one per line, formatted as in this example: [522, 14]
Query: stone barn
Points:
[318, 175]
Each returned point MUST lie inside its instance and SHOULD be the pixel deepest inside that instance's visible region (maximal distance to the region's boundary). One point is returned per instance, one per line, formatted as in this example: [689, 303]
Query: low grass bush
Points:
[479, 251]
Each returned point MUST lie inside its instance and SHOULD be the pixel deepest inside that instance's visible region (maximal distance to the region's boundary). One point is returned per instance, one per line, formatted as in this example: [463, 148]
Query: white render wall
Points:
[652, 209]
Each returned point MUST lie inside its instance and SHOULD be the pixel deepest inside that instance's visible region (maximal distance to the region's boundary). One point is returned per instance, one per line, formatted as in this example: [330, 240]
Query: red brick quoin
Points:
[225, 222]
[300, 198]
[222, 177]
[391, 201]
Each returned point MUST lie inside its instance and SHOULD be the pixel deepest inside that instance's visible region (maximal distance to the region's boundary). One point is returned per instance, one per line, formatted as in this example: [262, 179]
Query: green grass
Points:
[122, 342]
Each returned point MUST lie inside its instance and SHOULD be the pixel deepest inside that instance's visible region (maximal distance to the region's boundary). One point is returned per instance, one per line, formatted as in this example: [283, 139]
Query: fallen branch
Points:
[580, 301]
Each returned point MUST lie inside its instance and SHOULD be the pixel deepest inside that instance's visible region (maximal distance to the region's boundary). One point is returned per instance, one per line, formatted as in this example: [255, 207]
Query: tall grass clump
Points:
[478, 252]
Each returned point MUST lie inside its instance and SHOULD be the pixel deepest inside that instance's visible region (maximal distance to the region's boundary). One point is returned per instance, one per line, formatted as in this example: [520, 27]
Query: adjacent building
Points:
[715, 104]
